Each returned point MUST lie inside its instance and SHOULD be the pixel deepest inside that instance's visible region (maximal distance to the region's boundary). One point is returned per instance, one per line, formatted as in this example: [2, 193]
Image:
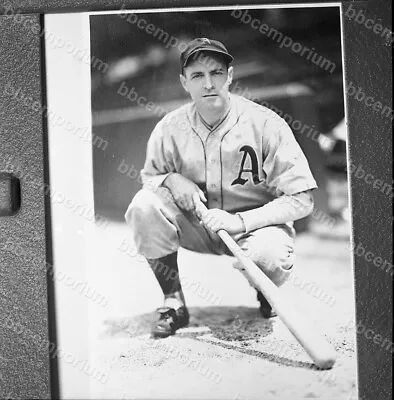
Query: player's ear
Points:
[182, 78]
[230, 73]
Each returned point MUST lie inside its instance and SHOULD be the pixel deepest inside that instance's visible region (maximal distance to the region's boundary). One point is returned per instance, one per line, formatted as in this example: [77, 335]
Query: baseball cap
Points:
[204, 44]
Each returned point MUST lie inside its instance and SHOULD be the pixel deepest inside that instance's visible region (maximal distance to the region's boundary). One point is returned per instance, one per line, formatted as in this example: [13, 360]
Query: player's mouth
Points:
[210, 95]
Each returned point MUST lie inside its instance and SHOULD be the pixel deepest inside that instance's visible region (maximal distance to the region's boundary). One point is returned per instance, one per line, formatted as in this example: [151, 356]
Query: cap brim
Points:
[227, 55]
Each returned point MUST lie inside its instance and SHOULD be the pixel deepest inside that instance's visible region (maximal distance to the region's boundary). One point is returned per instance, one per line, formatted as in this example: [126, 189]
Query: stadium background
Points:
[131, 58]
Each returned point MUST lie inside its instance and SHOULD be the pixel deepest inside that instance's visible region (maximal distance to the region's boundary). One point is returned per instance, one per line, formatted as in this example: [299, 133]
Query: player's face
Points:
[207, 80]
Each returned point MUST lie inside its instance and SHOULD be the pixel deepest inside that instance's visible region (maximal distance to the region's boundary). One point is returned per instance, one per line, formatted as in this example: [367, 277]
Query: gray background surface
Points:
[23, 283]
[24, 358]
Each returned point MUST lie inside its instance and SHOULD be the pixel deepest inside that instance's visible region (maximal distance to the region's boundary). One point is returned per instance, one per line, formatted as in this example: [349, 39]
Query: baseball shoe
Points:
[265, 307]
[170, 320]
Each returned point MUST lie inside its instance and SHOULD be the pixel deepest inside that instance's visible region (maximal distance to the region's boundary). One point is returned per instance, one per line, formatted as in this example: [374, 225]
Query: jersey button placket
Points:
[213, 173]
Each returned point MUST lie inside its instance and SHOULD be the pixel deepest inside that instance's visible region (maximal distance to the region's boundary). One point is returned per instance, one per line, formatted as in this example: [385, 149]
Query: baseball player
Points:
[238, 158]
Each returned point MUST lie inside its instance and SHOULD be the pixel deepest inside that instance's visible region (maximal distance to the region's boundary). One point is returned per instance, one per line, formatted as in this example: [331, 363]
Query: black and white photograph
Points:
[201, 215]
[225, 135]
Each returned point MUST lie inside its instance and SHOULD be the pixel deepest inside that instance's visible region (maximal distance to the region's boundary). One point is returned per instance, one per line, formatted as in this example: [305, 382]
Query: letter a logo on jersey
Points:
[248, 151]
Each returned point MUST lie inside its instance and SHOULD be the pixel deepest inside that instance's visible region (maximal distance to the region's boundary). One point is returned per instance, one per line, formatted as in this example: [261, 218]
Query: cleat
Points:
[170, 321]
[265, 307]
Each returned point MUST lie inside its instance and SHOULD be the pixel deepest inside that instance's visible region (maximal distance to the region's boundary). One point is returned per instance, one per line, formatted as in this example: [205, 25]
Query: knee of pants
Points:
[151, 217]
[277, 264]
[143, 207]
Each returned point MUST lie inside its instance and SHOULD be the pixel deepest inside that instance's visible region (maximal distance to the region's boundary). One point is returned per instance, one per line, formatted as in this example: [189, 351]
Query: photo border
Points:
[367, 65]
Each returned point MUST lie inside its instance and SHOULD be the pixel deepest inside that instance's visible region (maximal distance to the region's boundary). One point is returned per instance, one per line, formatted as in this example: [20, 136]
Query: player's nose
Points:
[208, 84]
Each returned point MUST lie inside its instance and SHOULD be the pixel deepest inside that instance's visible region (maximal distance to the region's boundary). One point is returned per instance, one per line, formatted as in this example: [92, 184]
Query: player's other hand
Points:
[216, 219]
[182, 190]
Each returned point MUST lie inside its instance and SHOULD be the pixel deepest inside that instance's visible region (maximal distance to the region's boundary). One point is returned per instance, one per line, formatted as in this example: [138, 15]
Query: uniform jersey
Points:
[250, 158]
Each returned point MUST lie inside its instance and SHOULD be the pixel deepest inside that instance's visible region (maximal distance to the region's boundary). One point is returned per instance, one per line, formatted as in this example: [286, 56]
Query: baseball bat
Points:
[319, 350]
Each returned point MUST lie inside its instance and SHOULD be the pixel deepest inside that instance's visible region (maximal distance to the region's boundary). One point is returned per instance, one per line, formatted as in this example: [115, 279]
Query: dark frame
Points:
[367, 65]
[57, 6]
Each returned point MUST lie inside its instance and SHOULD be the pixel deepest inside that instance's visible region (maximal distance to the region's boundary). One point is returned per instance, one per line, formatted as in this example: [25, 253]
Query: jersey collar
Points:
[212, 128]
[203, 129]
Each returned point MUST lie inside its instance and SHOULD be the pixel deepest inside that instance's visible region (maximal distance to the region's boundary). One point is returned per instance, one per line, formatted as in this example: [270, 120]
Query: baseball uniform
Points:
[248, 159]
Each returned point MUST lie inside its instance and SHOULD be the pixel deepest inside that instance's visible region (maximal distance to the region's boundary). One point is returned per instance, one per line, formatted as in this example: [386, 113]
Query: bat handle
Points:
[222, 233]
[321, 352]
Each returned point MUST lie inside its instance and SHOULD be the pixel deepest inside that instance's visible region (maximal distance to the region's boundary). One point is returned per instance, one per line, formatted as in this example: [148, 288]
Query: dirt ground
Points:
[228, 351]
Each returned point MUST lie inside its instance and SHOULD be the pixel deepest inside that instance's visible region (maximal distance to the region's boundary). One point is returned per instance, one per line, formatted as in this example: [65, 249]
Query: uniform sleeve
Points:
[285, 165]
[157, 166]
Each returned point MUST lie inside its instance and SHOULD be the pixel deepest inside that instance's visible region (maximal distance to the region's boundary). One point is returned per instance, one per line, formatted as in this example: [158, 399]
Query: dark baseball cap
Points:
[204, 44]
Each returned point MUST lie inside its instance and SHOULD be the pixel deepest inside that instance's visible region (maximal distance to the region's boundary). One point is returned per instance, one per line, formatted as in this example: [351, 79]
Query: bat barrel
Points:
[320, 351]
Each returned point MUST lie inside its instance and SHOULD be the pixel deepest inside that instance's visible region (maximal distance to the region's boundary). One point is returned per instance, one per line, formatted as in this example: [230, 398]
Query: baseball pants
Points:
[160, 227]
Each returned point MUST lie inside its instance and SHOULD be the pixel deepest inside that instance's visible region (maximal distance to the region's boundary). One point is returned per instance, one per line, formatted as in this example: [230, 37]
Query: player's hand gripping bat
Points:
[320, 351]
